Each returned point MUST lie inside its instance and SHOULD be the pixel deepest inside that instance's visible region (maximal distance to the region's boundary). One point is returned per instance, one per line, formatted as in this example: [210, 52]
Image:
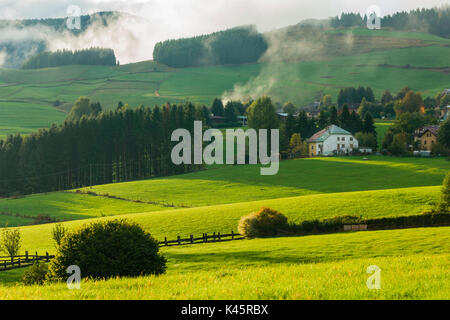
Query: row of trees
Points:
[92, 56]
[113, 146]
[233, 46]
[435, 21]
[353, 95]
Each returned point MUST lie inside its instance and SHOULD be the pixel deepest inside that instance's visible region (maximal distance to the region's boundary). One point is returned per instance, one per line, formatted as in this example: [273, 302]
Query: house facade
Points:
[426, 136]
[331, 141]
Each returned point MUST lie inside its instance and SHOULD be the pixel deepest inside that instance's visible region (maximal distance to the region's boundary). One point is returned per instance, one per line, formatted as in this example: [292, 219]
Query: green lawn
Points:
[67, 206]
[381, 127]
[224, 218]
[230, 184]
[413, 263]
[304, 189]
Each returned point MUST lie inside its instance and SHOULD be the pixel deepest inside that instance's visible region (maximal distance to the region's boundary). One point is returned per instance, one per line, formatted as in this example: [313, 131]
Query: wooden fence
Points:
[203, 239]
[8, 263]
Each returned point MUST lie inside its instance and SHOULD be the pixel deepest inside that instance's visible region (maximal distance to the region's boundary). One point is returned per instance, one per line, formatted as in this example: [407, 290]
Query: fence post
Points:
[165, 241]
[192, 238]
[206, 237]
[47, 257]
[4, 264]
[218, 235]
[19, 261]
[179, 240]
[214, 236]
[232, 235]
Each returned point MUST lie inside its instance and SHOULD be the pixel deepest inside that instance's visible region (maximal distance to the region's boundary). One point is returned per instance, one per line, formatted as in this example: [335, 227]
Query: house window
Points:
[343, 138]
[351, 138]
[343, 146]
[338, 138]
[312, 147]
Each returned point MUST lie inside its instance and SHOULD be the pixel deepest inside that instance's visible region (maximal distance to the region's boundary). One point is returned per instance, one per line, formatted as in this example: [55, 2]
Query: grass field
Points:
[414, 262]
[313, 267]
[319, 187]
[224, 218]
[27, 96]
[333, 266]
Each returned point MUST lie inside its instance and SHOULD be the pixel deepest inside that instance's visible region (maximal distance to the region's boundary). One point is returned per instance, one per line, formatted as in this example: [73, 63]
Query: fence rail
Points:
[215, 237]
[20, 261]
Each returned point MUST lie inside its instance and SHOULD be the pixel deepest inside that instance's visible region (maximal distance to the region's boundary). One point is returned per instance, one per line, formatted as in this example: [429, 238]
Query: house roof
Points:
[322, 135]
[433, 129]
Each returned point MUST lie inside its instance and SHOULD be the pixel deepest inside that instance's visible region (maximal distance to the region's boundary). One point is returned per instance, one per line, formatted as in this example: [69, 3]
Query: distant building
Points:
[427, 137]
[243, 120]
[332, 141]
[282, 116]
[445, 113]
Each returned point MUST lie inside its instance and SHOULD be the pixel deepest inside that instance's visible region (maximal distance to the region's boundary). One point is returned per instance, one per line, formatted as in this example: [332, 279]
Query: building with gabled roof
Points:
[426, 136]
[332, 140]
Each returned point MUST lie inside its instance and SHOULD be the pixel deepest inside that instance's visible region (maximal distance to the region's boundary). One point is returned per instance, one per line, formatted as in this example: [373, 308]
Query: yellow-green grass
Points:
[413, 262]
[412, 277]
[230, 184]
[381, 127]
[241, 184]
[66, 206]
[225, 218]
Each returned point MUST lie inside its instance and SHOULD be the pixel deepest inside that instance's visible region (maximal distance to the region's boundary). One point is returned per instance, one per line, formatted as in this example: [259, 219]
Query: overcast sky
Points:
[201, 16]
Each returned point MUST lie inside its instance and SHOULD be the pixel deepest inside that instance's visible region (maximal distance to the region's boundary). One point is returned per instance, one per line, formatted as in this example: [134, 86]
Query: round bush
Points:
[108, 249]
[35, 274]
[265, 222]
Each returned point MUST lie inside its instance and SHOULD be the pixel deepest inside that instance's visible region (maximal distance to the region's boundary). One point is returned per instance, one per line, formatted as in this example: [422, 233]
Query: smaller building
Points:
[426, 137]
[331, 141]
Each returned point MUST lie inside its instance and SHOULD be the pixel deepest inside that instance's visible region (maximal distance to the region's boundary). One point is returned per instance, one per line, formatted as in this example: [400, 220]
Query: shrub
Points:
[10, 241]
[444, 203]
[58, 233]
[266, 222]
[35, 274]
[108, 249]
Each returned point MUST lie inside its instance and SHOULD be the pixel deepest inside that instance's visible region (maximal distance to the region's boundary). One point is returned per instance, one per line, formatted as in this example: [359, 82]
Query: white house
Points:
[332, 140]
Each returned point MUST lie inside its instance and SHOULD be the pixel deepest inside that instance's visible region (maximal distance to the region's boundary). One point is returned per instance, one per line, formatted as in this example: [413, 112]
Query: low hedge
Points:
[336, 224]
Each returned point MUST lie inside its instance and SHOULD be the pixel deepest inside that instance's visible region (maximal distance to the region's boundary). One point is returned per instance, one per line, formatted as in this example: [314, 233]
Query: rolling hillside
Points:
[30, 99]
[413, 263]
[303, 190]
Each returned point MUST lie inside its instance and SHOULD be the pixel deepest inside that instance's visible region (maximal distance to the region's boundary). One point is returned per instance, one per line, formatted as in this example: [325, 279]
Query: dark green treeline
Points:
[114, 146]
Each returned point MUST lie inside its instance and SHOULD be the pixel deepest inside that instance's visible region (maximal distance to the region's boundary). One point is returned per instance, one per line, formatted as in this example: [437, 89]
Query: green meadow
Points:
[315, 188]
[229, 184]
[414, 262]
[312, 267]
[27, 97]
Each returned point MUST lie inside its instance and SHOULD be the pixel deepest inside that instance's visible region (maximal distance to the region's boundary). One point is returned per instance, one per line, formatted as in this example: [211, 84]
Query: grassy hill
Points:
[379, 59]
[329, 266]
[413, 264]
[319, 187]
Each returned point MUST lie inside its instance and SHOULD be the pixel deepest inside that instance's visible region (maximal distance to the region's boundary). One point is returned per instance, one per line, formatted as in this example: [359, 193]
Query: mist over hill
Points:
[122, 32]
